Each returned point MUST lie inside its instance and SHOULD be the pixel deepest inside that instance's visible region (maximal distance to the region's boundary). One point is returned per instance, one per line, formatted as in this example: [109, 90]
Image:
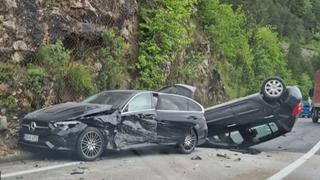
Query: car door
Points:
[138, 120]
[173, 118]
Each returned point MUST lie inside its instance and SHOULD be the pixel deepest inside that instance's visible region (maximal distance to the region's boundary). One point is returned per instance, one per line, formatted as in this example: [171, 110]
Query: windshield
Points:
[114, 98]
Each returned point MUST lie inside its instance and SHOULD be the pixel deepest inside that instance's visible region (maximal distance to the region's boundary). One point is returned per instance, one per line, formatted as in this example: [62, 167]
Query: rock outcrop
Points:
[25, 25]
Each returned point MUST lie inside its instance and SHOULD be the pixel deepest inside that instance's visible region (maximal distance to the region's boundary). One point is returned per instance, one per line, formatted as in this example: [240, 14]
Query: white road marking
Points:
[291, 167]
[19, 173]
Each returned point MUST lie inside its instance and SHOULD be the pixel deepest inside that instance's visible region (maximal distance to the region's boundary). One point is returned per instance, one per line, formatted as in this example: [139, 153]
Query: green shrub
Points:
[54, 57]
[34, 82]
[7, 72]
[112, 59]
[9, 102]
[79, 80]
[49, 3]
[186, 69]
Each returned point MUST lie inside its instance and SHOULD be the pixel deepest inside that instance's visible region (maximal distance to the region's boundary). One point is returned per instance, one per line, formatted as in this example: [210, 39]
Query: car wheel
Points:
[273, 88]
[90, 144]
[315, 116]
[189, 143]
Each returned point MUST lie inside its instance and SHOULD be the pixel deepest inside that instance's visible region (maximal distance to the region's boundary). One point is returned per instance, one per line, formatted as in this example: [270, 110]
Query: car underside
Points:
[252, 120]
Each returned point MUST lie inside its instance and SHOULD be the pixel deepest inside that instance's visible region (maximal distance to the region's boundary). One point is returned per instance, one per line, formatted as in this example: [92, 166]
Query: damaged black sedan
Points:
[116, 120]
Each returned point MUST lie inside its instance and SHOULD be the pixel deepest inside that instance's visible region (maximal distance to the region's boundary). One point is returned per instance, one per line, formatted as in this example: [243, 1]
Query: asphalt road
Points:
[165, 163]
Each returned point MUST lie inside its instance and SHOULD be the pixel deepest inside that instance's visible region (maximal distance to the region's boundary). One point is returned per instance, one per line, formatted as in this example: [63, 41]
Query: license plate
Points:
[31, 137]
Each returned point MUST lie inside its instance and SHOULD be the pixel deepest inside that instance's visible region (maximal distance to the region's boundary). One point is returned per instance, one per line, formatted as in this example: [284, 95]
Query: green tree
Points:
[162, 34]
[229, 32]
[304, 83]
[268, 57]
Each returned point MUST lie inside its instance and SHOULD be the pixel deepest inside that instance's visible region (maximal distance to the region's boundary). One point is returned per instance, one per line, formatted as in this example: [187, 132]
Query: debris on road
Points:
[36, 165]
[196, 158]
[228, 166]
[76, 172]
[269, 155]
[222, 155]
[238, 159]
[251, 151]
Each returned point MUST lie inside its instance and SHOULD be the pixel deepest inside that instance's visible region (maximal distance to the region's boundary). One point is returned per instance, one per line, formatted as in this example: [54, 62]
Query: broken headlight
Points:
[63, 125]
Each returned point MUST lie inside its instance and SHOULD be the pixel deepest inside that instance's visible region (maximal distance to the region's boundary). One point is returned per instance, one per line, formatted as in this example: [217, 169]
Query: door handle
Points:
[163, 122]
[192, 117]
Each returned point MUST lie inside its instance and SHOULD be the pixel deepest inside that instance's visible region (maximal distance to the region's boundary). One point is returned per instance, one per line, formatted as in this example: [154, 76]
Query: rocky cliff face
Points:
[26, 24]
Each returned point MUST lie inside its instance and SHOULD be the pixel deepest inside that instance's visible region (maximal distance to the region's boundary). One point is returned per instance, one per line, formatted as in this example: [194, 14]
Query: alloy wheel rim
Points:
[273, 88]
[91, 144]
[189, 141]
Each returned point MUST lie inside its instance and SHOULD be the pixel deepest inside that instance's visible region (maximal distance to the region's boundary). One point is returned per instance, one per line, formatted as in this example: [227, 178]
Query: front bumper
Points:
[52, 139]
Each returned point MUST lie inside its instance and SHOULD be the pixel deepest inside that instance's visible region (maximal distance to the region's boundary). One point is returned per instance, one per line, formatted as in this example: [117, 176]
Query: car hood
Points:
[67, 111]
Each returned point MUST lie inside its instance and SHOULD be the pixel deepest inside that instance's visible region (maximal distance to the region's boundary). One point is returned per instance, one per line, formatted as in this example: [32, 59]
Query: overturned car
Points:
[123, 118]
[256, 118]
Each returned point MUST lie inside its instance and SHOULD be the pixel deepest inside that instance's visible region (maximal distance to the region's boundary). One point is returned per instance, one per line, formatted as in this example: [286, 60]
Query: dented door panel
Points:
[173, 125]
[136, 128]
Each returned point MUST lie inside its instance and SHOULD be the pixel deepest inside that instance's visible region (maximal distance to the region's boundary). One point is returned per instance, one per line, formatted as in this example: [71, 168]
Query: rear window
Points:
[177, 103]
[192, 106]
[167, 102]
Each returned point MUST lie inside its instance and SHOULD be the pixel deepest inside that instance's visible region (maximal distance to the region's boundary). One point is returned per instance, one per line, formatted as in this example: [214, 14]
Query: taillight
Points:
[297, 109]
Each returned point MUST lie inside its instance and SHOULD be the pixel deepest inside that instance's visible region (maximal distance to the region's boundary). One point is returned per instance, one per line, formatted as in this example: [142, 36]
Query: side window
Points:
[169, 102]
[140, 102]
[245, 136]
[264, 130]
[192, 106]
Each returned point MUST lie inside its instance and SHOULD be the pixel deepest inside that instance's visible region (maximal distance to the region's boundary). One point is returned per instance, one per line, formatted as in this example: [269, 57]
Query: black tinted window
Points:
[193, 106]
[167, 102]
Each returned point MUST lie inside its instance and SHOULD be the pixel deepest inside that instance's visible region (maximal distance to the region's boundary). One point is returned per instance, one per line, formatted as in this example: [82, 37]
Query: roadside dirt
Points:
[9, 140]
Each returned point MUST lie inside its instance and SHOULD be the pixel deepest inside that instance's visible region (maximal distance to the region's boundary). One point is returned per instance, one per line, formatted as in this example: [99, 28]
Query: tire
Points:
[273, 88]
[189, 143]
[90, 144]
[315, 117]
